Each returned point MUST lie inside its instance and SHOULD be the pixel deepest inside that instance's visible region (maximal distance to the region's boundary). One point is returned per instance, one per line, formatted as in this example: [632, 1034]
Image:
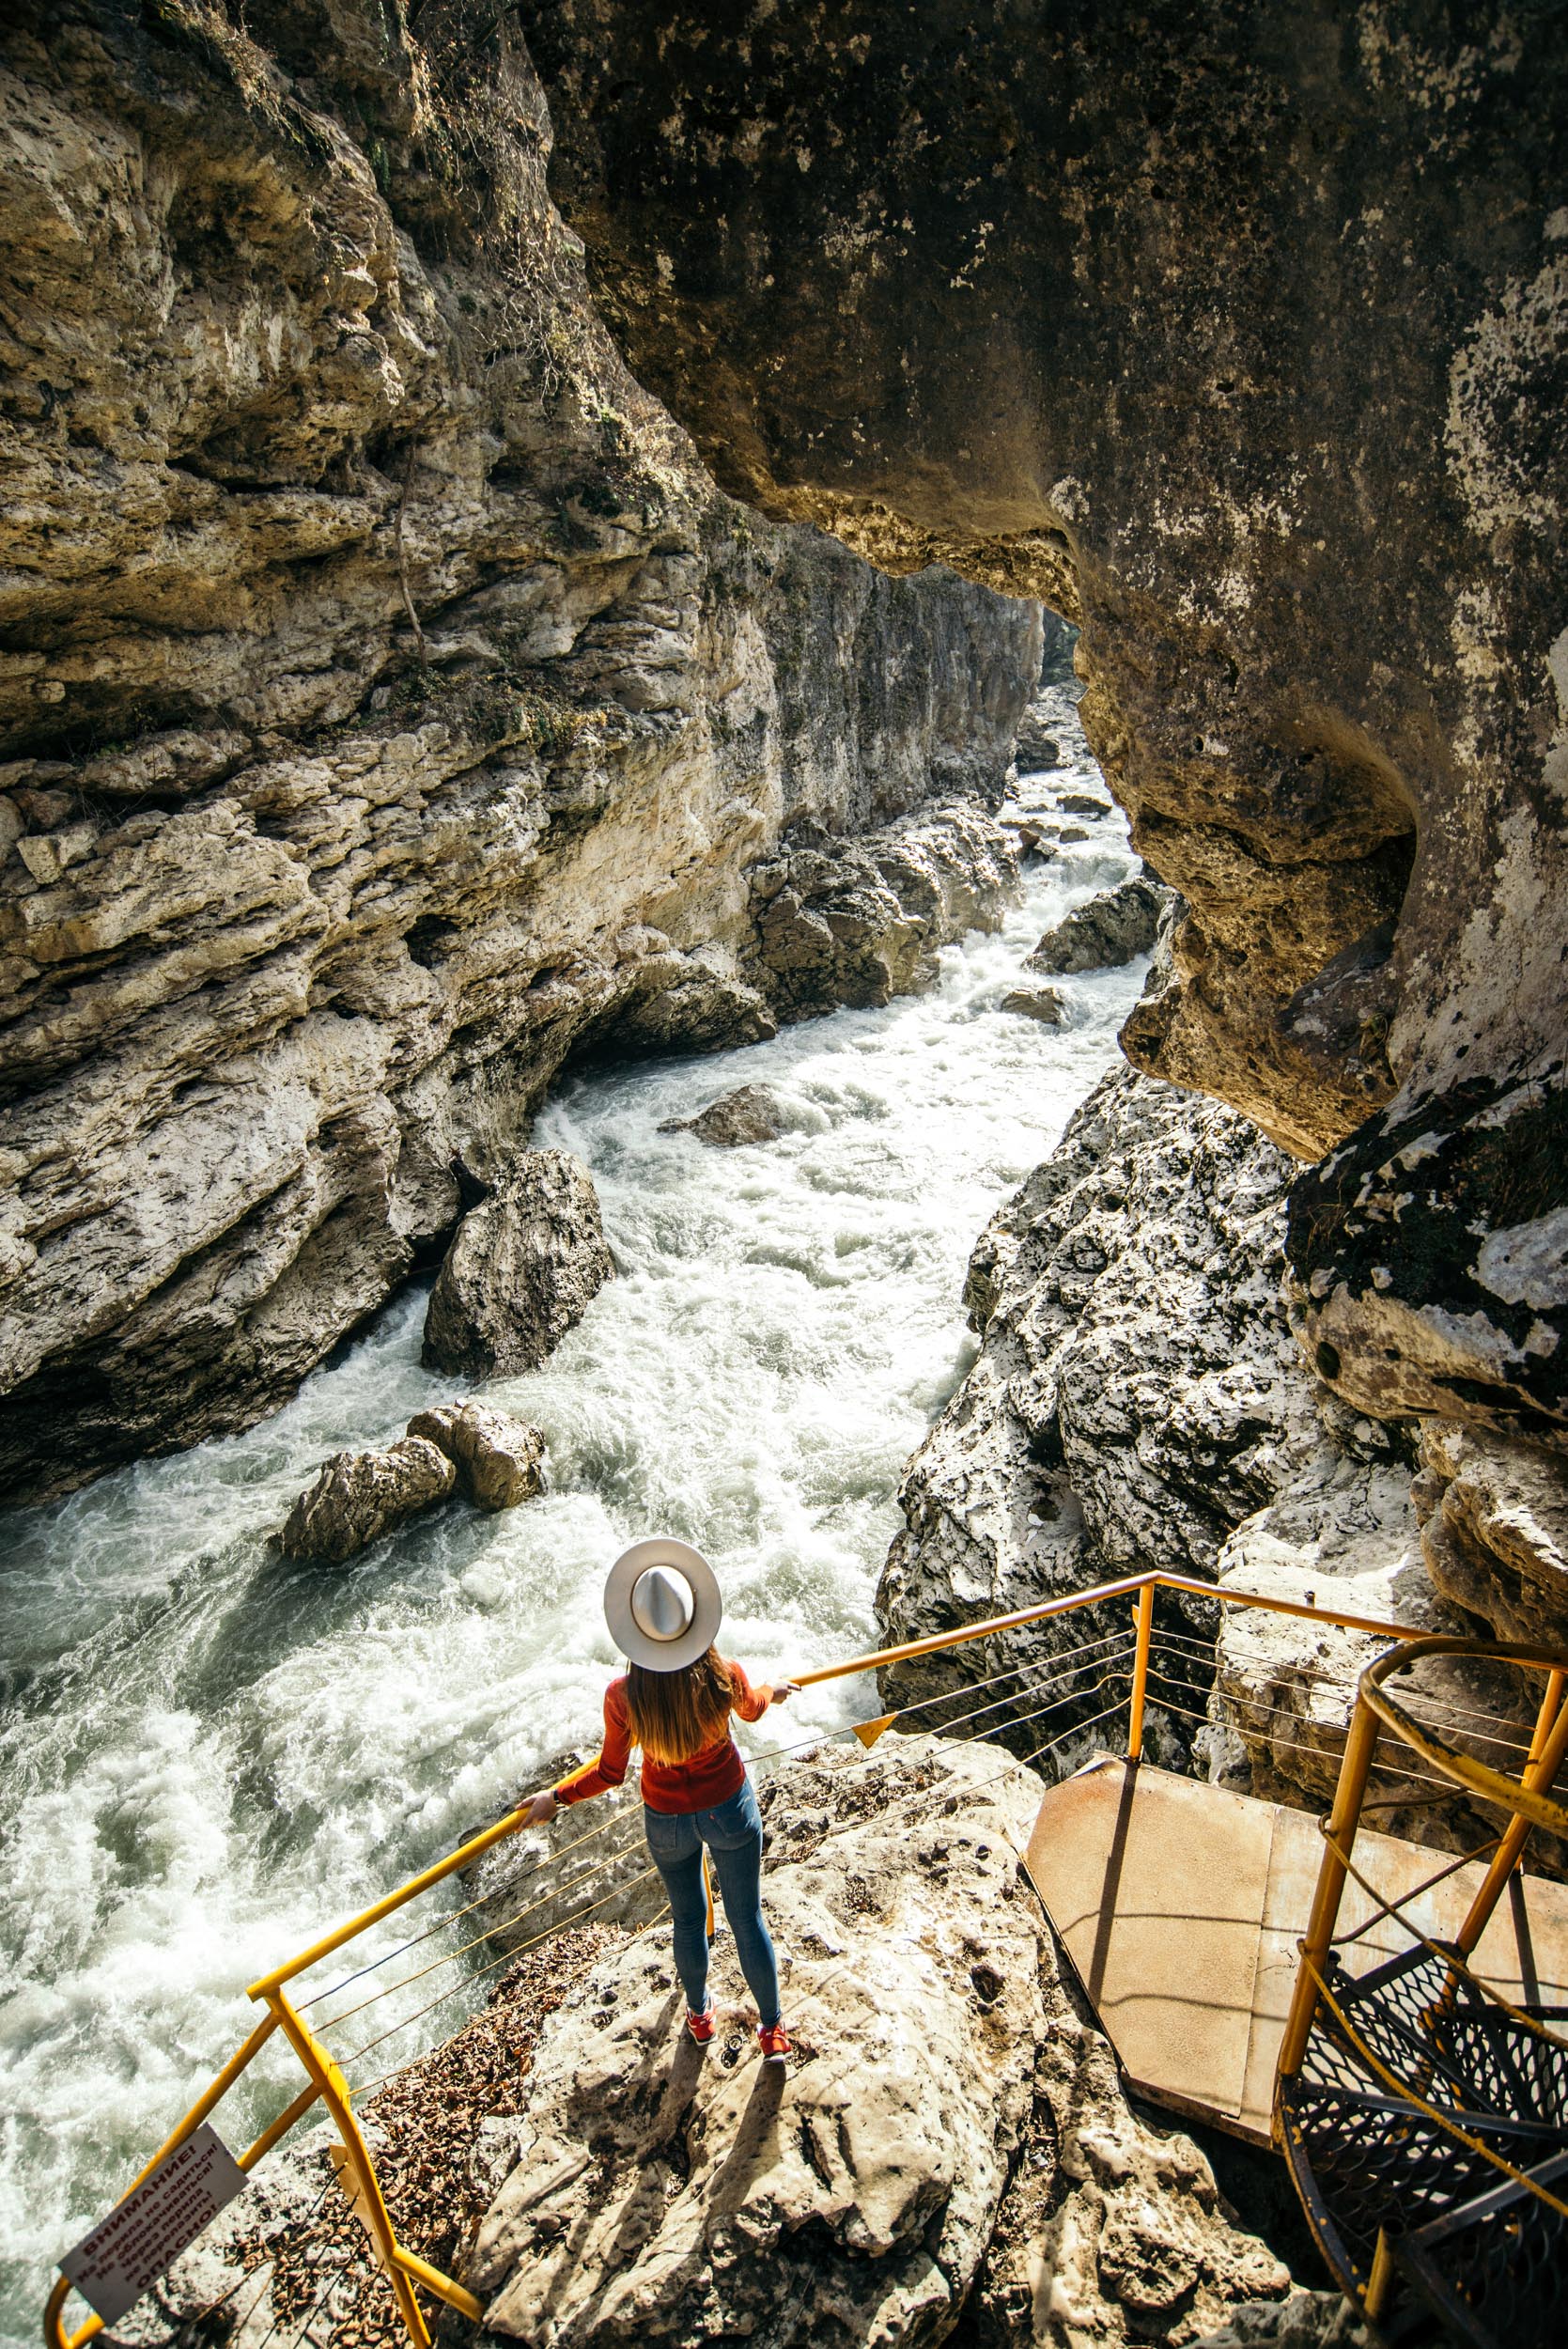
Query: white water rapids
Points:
[208, 1754]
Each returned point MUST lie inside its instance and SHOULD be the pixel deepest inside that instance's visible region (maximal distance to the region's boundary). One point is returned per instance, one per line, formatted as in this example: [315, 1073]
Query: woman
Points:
[674, 1699]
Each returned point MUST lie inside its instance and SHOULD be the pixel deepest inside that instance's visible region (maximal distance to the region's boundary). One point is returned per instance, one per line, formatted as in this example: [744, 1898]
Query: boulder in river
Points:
[1034, 836]
[522, 1271]
[359, 1496]
[941, 2082]
[1082, 803]
[1036, 750]
[1043, 1004]
[1109, 930]
[750, 1114]
[499, 1460]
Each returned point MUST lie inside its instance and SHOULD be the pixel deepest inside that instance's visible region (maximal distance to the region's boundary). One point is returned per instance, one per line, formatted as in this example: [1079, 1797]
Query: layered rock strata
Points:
[1245, 346]
[390, 707]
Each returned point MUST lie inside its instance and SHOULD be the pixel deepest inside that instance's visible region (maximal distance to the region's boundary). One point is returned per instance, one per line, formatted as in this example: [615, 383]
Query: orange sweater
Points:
[701, 1782]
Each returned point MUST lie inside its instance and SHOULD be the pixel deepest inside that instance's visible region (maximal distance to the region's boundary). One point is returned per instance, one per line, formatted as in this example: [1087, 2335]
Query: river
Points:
[208, 1752]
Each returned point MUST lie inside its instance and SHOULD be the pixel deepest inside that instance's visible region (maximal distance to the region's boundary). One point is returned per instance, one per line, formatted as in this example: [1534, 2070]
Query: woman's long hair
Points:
[675, 1715]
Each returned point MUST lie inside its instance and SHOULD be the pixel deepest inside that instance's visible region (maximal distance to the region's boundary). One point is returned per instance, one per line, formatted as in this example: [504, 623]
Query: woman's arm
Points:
[752, 1703]
[594, 1778]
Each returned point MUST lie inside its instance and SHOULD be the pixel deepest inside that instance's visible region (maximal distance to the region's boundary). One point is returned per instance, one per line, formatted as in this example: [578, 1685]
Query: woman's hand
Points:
[785, 1690]
[541, 1810]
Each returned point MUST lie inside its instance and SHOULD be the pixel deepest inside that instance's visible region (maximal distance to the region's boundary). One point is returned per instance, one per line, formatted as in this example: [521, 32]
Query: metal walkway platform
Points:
[1181, 1906]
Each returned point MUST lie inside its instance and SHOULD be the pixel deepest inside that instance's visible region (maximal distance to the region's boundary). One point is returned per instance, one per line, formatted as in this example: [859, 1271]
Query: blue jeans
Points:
[733, 1834]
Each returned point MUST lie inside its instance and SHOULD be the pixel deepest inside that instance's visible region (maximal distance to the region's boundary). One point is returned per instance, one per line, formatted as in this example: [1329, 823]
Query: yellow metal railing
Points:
[1529, 1803]
[1527, 1799]
[325, 2082]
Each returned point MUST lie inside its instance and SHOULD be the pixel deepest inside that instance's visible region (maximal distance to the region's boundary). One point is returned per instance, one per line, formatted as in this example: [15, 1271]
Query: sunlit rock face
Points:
[1237, 334]
[389, 706]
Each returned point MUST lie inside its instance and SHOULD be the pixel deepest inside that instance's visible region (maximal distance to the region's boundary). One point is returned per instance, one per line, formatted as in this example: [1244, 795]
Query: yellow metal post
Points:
[1547, 1750]
[1354, 1769]
[378, 2220]
[1143, 1617]
[1380, 2282]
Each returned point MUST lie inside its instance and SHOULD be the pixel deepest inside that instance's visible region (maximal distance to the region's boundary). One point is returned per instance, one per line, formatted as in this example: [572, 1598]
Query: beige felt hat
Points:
[662, 1605]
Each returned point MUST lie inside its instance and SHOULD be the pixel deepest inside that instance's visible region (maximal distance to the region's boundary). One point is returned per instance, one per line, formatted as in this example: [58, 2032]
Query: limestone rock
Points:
[499, 1460]
[359, 1496]
[1109, 930]
[750, 1114]
[1494, 1528]
[1035, 749]
[1137, 1395]
[307, 900]
[850, 2195]
[864, 924]
[522, 1271]
[1340, 726]
[1043, 1004]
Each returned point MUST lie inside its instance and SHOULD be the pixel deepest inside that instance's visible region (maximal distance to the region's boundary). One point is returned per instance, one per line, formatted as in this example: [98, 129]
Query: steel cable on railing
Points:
[631, 1823]
[1278, 1712]
[332, 2275]
[1199, 1653]
[451, 1917]
[1317, 1754]
[511, 1956]
[450, 1957]
[1443, 1788]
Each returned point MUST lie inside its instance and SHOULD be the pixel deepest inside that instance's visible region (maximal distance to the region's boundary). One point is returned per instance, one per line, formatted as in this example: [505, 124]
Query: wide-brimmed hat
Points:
[662, 1605]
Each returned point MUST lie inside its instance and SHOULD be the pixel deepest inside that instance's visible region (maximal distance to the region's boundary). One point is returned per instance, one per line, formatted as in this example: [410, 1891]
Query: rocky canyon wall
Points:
[1236, 333]
[391, 705]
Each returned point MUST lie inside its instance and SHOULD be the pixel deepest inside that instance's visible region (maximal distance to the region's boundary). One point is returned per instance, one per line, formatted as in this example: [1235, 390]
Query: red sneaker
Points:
[773, 2040]
[701, 2026]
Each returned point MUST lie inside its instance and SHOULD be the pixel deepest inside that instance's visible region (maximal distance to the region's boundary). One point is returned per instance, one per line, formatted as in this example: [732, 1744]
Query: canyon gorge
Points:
[551, 551]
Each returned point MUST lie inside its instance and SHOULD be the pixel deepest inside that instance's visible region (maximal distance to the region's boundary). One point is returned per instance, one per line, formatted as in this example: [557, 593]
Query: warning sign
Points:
[145, 2234]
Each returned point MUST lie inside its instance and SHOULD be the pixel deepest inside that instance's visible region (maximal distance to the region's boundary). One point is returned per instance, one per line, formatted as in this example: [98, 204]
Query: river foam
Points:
[208, 1752]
